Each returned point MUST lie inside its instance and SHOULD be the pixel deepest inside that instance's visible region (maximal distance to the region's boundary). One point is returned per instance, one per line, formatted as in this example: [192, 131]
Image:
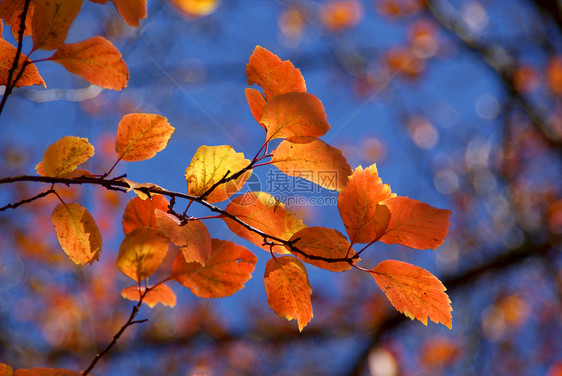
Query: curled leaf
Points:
[63, 156]
[141, 136]
[226, 270]
[159, 294]
[77, 233]
[96, 60]
[288, 290]
[414, 291]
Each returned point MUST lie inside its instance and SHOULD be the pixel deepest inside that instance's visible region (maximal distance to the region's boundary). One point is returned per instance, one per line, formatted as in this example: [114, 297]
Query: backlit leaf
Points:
[77, 233]
[256, 101]
[6, 370]
[415, 224]
[141, 136]
[96, 60]
[63, 157]
[158, 294]
[11, 12]
[141, 252]
[193, 238]
[357, 204]
[294, 114]
[30, 75]
[263, 212]
[140, 213]
[413, 291]
[314, 160]
[323, 247]
[45, 372]
[196, 8]
[288, 290]
[273, 75]
[51, 21]
[132, 11]
[226, 271]
[209, 165]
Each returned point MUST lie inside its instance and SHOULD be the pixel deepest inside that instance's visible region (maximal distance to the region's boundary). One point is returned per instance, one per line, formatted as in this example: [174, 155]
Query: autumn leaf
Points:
[294, 114]
[63, 156]
[209, 165]
[141, 252]
[132, 11]
[323, 247]
[96, 60]
[157, 294]
[11, 12]
[30, 75]
[415, 224]
[140, 213]
[314, 160]
[273, 75]
[141, 136]
[139, 188]
[226, 271]
[413, 291]
[45, 372]
[51, 21]
[6, 370]
[193, 238]
[77, 233]
[357, 204]
[288, 290]
[256, 101]
[263, 212]
[196, 8]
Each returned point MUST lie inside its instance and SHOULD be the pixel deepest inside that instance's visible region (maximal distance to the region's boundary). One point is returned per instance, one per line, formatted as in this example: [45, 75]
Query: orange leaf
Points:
[209, 165]
[158, 294]
[314, 160]
[96, 60]
[132, 11]
[63, 157]
[554, 75]
[193, 238]
[77, 233]
[51, 21]
[45, 372]
[263, 212]
[339, 15]
[323, 247]
[357, 204]
[415, 224]
[294, 114]
[140, 213]
[414, 291]
[196, 8]
[288, 290]
[273, 75]
[30, 75]
[139, 188]
[11, 12]
[141, 136]
[6, 370]
[142, 252]
[226, 271]
[256, 101]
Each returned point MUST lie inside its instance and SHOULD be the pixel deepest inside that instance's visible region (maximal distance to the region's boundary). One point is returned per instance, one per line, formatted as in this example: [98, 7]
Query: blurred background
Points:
[458, 102]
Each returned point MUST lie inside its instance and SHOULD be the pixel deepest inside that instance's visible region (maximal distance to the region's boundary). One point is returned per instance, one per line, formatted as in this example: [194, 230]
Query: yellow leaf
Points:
[142, 252]
[159, 294]
[294, 114]
[414, 291]
[96, 60]
[227, 269]
[209, 165]
[263, 212]
[288, 290]
[312, 159]
[193, 238]
[30, 75]
[196, 8]
[51, 21]
[141, 136]
[77, 233]
[64, 156]
[357, 204]
[323, 247]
